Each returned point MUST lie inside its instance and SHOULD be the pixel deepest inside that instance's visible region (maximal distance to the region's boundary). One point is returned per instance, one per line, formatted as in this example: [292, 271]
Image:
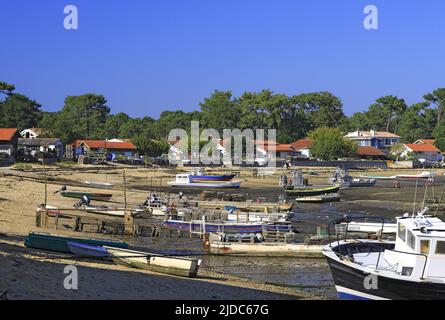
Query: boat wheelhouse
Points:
[411, 267]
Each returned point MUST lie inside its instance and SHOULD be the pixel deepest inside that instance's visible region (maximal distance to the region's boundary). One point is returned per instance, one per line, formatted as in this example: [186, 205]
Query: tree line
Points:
[88, 116]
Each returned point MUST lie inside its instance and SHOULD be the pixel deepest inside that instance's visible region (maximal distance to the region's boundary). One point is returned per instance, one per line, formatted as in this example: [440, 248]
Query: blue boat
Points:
[84, 250]
[199, 226]
[198, 176]
[56, 243]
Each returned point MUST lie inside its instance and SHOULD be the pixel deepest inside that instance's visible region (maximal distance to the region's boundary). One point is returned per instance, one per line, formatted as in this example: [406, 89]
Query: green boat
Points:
[56, 243]
[90, 195]
[310, 191]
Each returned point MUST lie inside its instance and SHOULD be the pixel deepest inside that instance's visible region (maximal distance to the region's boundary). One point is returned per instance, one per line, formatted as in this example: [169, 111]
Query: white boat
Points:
[102, 185]
[412, 267]
[179, 266]
[257, 217]
[379, 177]
[184, 180]
[422, 175]
[153, 204]
[104, 210]
[218, 245]
[369, 227]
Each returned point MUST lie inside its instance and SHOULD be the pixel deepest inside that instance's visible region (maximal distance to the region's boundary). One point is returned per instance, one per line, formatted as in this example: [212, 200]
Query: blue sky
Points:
[149, 56]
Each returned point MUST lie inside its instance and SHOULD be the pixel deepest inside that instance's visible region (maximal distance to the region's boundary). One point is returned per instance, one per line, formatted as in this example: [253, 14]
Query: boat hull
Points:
[349, 283]
[143, 260]
[203, 178]
[301, 192]
[266, 249]
[205, 185]
[83, 250]
[352, 279]
[91, 196]
[319, 199]
[60, 244]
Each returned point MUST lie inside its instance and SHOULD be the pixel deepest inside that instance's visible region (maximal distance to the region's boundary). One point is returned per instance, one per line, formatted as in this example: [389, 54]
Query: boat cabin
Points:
[420, 246]
[183, 178]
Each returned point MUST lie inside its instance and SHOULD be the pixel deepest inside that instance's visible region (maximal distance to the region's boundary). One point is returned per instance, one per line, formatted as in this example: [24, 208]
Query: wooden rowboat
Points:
[179, 266]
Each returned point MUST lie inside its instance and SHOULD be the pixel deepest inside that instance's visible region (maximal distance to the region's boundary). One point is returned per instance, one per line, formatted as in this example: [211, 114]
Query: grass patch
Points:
[23, 166]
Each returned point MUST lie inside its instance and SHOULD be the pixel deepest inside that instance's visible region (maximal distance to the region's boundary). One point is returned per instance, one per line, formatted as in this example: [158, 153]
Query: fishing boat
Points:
[322, 198]
[422, 175]
[310, 191]
[199, 176]
[80, 195]
[101, 185]
[85, 250]
[411, 267]
[203, 227]
[184, 181]
[252, 246]
[56, 243]
[179, 266]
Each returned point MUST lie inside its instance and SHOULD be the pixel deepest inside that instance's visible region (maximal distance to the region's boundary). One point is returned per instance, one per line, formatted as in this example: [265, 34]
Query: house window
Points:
[402, 232]
[440, 247]
[411, 240]
[424, 246]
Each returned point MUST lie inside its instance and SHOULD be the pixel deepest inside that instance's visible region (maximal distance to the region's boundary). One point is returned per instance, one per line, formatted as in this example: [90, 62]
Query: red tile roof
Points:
[6, 134]
[305, 143]
[422, 147]
[95, 144]
[369, 151]
[282, 148]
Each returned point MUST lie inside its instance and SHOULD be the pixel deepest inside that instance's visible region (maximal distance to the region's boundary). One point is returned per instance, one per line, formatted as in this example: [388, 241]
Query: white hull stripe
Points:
[358, 294]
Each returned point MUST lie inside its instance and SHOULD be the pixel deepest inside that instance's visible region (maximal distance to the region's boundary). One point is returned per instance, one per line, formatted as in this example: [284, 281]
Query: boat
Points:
[258, 217]
[57, 243]
[379, 177]
[84, 250]
[361, 182]
[184, 180]
[251, 246]
[246, 206]
[179, 266]
[411, 267]
[322, 198]
[84, 204]
[101, 185]
[310, 191]
[203, 227]
[368, 227]
[153, 204]
[422, 175]
[199, 176]
[81, 195]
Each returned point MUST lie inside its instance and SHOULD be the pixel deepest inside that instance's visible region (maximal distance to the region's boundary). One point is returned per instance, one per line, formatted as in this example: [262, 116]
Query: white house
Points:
[31, 133]
[422, 152]
[381, 140]
[304, 146]
[54, 145]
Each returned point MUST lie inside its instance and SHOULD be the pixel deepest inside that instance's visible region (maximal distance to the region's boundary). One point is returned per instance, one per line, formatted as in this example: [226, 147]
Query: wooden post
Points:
[128, 219]
[46, 183]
